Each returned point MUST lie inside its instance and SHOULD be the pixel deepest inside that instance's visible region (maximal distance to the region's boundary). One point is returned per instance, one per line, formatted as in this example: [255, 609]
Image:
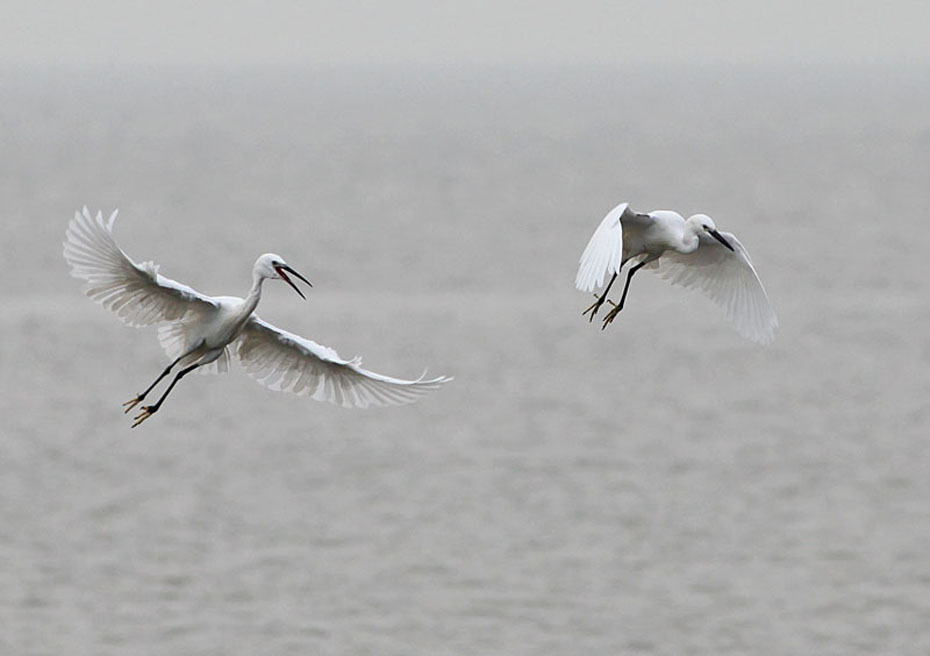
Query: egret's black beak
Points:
[281, 269]
[716, 235]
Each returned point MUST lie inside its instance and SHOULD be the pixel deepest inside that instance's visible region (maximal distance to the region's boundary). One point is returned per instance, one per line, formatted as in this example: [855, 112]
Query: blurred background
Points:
[435, 170]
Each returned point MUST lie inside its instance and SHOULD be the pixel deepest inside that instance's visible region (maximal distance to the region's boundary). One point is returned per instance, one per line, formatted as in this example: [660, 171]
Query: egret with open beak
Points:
[205, 332]
[280, 268]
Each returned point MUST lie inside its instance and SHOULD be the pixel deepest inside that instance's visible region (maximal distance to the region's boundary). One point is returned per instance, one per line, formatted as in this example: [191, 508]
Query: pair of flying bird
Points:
[201, 332]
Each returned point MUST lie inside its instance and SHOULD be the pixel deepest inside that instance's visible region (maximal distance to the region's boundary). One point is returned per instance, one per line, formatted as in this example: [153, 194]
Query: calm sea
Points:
[662, 487]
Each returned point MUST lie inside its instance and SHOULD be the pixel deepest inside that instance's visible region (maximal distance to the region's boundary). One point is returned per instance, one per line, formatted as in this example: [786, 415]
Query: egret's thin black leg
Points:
[130, 404]
[626, 287]
[149, 410]
[600, 301]
[629, 276]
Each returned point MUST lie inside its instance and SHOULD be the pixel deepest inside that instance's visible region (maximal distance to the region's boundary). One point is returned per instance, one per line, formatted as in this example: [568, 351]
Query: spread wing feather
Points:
[137, 293]
[729, 280]
[287, 362]
[603, 253]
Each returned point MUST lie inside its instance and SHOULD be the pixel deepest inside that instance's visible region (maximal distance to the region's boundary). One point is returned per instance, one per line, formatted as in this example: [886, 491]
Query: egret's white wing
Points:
[604, 252]
[729, 280]
[287, 362]
[137, 293]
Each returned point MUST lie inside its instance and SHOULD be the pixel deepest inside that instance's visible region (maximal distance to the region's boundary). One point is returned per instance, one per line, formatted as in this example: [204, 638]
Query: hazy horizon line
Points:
[879, 66]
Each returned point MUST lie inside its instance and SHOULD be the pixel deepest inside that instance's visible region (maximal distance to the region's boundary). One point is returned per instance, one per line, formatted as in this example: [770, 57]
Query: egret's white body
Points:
[690, 253]
[203, 332]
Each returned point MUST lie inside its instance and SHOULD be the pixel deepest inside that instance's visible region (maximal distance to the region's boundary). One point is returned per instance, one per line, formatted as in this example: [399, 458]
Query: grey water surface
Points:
[661, 487]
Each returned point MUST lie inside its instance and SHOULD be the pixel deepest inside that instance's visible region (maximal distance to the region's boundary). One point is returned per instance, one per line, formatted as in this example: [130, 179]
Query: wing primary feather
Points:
[135, 293]
[284, 361]
[604, 251]
[727, 278]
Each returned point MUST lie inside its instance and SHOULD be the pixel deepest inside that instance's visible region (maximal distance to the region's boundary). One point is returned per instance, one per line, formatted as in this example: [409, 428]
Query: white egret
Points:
[202, 332]
[689, 253]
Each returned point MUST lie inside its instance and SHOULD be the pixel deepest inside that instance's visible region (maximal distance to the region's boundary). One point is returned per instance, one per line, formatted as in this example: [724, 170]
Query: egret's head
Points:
[707, 225]
[273, 266]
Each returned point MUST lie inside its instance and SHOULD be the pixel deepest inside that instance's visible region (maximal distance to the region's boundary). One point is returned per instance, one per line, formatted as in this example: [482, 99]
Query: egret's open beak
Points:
[716, 235]
[282, 269]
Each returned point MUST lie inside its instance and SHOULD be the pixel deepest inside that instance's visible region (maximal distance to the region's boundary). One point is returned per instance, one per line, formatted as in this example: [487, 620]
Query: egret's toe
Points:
[147, 411]
[610, 316]
[593, 308]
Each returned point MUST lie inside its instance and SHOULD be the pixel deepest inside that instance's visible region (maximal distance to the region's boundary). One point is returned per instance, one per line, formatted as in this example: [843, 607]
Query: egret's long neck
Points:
[254, 296]
[689, 238]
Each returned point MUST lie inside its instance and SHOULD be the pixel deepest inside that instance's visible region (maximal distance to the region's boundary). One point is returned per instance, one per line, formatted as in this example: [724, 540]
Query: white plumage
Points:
[603, 253]
[287, 362]
[690, 253]
[203, 332]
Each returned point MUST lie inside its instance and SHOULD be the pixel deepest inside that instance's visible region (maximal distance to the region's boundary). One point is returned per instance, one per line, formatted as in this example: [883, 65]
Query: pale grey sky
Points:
[126, 32]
